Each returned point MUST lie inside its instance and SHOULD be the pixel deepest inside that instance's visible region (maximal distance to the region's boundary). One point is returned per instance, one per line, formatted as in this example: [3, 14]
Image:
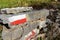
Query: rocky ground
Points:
[0, 32]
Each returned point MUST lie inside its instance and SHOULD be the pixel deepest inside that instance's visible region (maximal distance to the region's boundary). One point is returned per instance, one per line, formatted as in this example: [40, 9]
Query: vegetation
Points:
[15, 3]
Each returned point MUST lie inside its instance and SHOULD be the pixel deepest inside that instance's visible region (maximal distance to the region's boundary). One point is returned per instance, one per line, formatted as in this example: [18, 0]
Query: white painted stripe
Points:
[18, 17]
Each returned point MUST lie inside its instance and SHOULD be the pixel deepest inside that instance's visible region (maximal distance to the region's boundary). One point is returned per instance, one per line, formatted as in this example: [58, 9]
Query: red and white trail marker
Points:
[32, 34]
[19, 19]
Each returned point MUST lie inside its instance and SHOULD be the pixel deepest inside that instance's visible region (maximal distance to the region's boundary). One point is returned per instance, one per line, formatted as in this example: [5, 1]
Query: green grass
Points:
[8, 3]
[15, 3]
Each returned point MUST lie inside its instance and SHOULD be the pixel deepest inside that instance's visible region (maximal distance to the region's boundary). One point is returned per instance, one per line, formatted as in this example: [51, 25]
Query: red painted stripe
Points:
[18, 21]
[31, 36]
[33, 33]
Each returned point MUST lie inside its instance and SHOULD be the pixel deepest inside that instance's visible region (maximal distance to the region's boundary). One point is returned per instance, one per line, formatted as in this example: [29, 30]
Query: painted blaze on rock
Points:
[19, 19]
